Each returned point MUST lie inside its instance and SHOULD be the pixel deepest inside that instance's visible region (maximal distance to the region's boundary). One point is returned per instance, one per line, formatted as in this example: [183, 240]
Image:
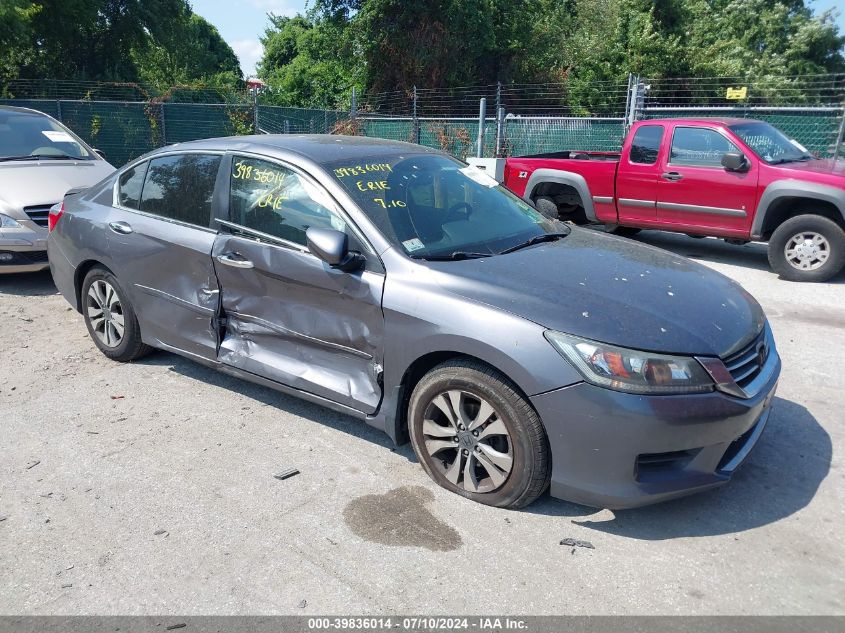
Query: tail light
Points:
[56, 212]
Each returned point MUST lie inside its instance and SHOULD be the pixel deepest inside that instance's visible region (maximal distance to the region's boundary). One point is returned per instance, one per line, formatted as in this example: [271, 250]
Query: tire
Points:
[547, 207]
[807, 248]
[511, 433]
[101, 288]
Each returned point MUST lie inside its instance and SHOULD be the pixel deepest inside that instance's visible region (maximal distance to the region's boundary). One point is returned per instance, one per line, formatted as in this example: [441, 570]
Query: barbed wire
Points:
[128, 119]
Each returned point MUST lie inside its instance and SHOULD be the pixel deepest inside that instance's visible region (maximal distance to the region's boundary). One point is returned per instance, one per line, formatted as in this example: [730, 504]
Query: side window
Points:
[180, 187]
[646, 144]
[130, 185]
[699, 147]
[272, 199]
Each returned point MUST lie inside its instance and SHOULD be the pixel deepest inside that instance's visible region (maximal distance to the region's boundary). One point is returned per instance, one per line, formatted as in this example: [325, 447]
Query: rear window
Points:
[180, 187]
[130, 184]
[646, 144]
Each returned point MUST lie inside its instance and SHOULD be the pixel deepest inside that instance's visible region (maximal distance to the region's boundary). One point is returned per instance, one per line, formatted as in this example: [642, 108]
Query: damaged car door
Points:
[285, 314]
[160, 238]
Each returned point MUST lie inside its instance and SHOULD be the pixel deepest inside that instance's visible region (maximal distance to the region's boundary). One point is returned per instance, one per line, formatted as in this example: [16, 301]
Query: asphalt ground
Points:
[148, 488]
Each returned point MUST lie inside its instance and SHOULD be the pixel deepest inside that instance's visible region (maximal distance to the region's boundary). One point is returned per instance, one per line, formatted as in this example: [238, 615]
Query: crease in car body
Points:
[332, 321]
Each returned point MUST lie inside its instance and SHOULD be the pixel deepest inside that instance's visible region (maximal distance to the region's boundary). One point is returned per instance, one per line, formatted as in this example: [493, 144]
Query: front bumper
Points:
[618, 450]
[23, 250]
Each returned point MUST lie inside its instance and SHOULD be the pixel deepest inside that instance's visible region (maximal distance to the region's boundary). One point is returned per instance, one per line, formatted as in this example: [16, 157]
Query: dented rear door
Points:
[285, 314]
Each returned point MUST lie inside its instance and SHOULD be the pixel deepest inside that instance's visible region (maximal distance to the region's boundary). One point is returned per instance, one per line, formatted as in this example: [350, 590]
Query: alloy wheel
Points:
[807, 250]
[467, 441]
[105, 313]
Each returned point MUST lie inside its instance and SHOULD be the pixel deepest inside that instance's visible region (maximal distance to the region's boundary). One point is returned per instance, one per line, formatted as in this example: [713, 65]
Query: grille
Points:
[24, 258]
[747, 363]
[38, 213]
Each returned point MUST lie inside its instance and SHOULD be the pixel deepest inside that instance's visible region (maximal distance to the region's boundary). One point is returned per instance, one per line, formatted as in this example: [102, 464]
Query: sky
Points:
[241, 22]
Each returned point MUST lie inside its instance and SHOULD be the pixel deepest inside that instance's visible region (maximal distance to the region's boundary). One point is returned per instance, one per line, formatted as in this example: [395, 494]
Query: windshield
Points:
[433, 206]
[769, 143]
[24, 135]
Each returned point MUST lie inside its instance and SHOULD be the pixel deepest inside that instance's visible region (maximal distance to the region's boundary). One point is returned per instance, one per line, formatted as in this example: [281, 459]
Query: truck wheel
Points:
[807, 248]
[475, 435]
[547, 207]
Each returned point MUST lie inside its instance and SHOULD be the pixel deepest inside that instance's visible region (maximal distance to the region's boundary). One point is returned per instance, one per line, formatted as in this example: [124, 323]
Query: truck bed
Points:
[577, 155]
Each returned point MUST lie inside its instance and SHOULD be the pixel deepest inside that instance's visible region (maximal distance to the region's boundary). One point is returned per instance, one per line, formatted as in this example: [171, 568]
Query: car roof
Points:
[703, 120]
[321, 149]
[20, 110]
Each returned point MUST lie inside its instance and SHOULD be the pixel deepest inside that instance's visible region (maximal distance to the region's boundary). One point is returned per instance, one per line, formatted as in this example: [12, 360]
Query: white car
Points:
[40, 160]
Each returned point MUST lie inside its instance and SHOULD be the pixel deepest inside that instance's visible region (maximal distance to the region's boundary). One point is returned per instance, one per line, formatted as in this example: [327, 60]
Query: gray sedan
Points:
[400, 286]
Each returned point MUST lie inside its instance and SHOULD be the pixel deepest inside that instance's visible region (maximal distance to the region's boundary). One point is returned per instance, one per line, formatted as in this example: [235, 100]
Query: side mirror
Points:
[333, 248]
[734, 161]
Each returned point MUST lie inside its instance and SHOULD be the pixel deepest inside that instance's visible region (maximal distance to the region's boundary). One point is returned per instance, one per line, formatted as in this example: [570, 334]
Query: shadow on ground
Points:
[28, 284]
[752, 255]
[780, 478]
[278, 400]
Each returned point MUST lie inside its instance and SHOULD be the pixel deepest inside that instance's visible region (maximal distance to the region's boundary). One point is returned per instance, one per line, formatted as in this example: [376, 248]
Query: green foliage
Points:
[387, 45]
[161, 42]
[308, 61]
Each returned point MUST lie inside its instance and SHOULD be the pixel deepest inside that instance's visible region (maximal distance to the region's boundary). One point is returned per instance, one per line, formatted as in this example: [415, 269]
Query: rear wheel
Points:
[807, 248]
[110, 318]
[475, 435]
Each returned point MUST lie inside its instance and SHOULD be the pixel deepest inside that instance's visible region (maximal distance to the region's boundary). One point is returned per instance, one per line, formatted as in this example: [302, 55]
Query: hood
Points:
[612, 290]
[833, 169]
[24, 184]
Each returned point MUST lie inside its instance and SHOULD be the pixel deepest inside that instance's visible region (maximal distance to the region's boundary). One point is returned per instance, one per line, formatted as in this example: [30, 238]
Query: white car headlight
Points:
[8, 223]
[630, 370]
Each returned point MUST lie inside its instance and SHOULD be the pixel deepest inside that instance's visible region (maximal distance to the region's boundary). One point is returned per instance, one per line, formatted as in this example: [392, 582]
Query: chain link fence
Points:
[127, 120]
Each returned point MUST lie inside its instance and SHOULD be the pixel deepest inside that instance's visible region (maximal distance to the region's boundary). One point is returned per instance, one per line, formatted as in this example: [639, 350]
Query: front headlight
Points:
[630, 370]
[8, 223]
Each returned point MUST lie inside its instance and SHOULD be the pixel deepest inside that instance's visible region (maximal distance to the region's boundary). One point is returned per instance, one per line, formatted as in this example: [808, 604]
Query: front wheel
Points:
[475, 435]
[807, 248]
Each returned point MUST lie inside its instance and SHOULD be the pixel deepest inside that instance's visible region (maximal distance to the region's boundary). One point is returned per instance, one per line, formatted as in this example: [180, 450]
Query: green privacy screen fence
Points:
[124, 130]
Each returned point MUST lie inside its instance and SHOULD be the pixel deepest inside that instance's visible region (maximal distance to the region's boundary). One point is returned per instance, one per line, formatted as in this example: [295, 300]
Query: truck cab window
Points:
[646, 144]
[699, 147]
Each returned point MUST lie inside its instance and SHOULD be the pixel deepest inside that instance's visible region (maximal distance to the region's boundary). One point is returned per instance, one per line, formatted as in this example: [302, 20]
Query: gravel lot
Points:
[148, 489]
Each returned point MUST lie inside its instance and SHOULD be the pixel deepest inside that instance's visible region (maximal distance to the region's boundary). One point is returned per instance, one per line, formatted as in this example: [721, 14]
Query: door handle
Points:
[120, 227]
[671, 175]
[229, 260]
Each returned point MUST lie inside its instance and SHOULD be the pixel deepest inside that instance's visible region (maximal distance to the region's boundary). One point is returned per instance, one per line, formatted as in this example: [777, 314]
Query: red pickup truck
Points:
[737, 179]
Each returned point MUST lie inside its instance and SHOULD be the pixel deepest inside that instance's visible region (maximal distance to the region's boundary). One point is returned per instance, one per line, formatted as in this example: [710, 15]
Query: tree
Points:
[15, 31]
[189, 50]
[308, 61]
[118, 40]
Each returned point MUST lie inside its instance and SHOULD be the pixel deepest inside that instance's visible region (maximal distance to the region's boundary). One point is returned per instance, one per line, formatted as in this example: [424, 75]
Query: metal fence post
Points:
[500, 130]
[839, 136]
[632, 99]
[416, 121]
[255, 111]
[163, 128]
[353, 108]
[482, 119]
